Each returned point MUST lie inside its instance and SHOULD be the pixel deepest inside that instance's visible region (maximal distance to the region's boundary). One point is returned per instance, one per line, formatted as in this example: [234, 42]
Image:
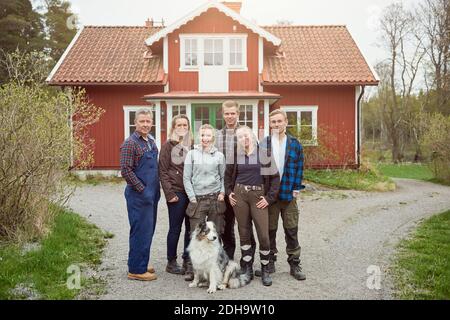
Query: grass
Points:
[93, 180]
[410, 171]
[422, 265]
[407, 171]
[365, 180]
[72, 241]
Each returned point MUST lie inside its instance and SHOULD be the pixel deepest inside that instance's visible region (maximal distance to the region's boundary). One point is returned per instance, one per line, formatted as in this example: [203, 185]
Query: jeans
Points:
[177, 213]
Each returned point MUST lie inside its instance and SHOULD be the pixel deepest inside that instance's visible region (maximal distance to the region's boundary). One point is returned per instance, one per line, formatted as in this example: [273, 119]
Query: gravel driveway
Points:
[342, 233]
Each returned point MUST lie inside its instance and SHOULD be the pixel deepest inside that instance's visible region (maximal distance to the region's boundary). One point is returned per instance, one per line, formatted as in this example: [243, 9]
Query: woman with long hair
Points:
[171, 167]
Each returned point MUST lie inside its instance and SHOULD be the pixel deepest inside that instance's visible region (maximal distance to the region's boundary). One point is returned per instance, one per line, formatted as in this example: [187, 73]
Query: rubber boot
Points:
[265, 276]
[189, 271]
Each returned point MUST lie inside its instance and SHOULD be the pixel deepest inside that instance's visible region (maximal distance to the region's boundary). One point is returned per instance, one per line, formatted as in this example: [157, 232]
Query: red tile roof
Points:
[307, 55]
[110, 55]
[315, 55]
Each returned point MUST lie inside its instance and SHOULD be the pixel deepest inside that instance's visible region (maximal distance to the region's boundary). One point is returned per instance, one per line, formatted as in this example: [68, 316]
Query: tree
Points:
[434, 19]
[20, 28]
[61, 25]
[406, 54]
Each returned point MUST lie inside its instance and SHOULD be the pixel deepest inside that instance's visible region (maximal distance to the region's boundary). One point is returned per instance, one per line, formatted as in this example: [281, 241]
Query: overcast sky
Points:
[360, 16]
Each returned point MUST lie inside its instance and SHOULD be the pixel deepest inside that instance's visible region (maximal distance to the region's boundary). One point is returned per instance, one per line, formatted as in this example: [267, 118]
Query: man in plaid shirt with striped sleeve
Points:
[288, 154]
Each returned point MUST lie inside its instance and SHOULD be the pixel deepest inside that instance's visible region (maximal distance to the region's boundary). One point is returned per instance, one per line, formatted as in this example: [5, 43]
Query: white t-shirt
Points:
[279, 153]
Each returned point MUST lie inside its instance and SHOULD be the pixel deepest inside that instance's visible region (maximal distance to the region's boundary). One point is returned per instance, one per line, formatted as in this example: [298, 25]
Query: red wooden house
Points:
[316, 74]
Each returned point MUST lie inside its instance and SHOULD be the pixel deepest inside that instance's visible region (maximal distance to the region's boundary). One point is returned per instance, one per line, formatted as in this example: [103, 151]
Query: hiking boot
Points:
[173, 267]
[188, 270]
[265, 275]
[142, 277]
[296, 271]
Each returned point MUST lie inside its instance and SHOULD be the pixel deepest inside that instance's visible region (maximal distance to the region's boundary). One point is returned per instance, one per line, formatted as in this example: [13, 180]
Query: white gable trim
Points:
[72, 43]
[222, 8]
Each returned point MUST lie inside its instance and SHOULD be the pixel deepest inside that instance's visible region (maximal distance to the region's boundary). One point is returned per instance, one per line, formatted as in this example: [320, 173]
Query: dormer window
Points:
[213, 52]
[190, 52]
[236, 52]
[227, 50]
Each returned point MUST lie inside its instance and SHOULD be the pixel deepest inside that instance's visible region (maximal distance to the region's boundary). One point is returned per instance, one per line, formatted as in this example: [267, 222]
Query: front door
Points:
[206, 113]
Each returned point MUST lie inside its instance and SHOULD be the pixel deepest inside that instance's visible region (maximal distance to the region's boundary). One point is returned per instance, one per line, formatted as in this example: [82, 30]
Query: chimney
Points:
[233, 5]
[149, 23]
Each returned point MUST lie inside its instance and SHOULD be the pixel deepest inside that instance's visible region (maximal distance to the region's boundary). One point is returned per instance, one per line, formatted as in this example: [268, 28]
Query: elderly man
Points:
[139, 167]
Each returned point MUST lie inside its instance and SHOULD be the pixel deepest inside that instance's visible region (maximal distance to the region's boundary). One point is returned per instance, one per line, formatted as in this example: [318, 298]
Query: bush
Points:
[41, 132]
[436, 144]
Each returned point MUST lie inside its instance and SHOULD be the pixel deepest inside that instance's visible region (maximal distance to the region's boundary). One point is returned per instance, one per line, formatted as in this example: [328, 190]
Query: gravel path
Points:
[342, 233]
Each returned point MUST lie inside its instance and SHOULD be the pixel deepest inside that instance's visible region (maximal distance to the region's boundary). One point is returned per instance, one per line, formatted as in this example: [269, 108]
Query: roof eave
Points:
[324, 83]
[96, 83]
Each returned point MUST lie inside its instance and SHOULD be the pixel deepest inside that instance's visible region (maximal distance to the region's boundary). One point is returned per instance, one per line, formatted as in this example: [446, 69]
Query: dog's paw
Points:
[193, 284]
[203, 285]
[222, 286]
[211, 290]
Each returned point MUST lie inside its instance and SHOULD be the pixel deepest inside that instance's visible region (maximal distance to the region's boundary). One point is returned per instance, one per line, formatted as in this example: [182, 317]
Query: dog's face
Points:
[206, 230]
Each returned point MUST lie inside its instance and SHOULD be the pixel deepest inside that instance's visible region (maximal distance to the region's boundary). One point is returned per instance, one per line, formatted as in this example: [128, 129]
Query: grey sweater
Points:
[203, 172]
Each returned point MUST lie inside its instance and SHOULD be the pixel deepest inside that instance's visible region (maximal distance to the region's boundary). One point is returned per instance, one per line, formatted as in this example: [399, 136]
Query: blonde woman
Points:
[252, 184]
[171, 167]
[204, 170]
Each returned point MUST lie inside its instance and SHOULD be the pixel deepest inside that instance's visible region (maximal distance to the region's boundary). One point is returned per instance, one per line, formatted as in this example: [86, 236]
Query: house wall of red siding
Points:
[335, 119]
[109, 131]
[213, 21]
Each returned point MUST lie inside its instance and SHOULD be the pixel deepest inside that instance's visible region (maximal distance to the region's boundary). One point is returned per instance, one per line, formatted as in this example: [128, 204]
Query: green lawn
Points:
[422, 266]
[407, 171]
[72, 241]
[366, 180]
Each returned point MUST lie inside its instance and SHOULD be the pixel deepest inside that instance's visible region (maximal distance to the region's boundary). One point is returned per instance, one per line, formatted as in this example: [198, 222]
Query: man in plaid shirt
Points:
[288, 154]
[139, 167]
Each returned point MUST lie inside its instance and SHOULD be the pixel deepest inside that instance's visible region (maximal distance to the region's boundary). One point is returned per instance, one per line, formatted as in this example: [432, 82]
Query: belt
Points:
[209, 195]
[250, 188]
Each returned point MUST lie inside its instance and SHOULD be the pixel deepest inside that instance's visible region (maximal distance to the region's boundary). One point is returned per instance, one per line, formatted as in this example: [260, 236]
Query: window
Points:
[236, 52]
[190, 52]
[130, 116]
[246, 115]
[178, 109]
[302, 123]
[213, 49]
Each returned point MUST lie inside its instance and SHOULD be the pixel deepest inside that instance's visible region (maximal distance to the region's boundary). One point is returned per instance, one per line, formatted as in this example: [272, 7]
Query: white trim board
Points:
[222, 8]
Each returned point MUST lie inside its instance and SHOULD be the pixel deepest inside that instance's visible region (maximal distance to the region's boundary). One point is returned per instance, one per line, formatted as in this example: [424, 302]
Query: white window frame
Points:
[183, 53]
[156, 121]
[200, 50]
[313, 110]
[214, 51]
[170, 105]
[244, 55]
[254, 105]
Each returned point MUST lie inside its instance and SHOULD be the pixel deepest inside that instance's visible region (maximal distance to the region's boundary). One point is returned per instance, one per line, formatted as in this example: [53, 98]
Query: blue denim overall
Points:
[142, 207]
